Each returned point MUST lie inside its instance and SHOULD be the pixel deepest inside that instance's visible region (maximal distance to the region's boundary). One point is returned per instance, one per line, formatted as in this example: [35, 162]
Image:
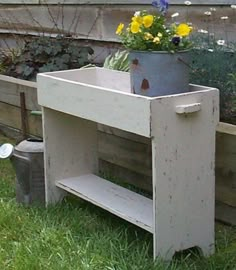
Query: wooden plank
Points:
[128, 154]
[11, 132]
[126, 176]
[226, 166]
[104, 20]
[19, 2]
[183, 154]
[123, 134]
[70, 150]
[225, 213]
[11, 116]
[123, 2]
[226, 128]
[10, 89]
[88, 97]
[120, 201]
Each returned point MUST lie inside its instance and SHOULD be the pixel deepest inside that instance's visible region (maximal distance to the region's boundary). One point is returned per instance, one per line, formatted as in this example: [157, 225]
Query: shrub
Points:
[45, 54]
[215, 65]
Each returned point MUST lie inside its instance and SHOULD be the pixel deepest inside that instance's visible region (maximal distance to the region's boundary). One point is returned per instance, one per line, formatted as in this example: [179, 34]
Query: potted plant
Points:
[158, 52]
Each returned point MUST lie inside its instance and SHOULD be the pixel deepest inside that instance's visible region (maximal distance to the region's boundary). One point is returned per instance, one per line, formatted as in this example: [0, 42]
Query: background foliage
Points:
[45, 54]
[215, 66]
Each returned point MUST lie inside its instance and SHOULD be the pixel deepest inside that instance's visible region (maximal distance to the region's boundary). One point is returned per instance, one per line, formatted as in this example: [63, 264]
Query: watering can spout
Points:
[6, 150]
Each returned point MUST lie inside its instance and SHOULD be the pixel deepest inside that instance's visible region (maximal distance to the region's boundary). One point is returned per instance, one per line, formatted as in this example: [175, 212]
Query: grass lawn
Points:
[77, 235]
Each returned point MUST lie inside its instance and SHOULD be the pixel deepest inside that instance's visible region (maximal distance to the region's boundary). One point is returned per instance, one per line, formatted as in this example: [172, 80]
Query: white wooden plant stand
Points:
[181, 128]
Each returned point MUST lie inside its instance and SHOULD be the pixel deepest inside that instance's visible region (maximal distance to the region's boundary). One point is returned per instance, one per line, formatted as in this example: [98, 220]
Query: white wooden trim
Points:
[120, 201]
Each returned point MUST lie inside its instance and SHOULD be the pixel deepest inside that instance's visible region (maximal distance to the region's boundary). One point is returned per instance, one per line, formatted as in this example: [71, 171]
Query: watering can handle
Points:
[188, 108]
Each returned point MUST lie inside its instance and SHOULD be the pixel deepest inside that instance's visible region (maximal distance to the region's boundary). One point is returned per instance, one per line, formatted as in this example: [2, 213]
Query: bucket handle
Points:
[185, 63]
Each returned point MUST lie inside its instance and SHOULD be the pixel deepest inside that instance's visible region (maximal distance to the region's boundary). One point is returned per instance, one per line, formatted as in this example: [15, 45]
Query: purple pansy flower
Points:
[162, 5]
[176, 40]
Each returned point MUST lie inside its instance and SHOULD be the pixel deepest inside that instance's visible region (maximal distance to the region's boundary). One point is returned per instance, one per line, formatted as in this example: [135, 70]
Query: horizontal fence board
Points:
[126, 153]
[11, 116]
[127, 2]
[35, 20]
[123, 134]
[125, 176]
[10, 89]
[226, 168]
[225, 213]
[11, 132]
[226, 128]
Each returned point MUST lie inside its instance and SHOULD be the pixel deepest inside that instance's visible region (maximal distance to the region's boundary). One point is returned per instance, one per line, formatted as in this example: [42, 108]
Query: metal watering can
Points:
[27, 160]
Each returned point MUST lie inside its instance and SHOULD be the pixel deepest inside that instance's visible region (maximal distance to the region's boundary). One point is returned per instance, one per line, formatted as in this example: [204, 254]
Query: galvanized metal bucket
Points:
[159, 73]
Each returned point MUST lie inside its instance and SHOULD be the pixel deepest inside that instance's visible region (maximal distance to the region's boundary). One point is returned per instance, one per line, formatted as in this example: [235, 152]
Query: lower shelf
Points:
[120, 201]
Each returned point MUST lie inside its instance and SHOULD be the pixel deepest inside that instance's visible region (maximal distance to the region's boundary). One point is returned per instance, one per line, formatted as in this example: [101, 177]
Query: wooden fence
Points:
[124, 155]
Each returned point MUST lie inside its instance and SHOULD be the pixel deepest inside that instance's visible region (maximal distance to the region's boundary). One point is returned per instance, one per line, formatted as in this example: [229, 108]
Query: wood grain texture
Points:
[120, 201]
[131, 2]
[70, 150]
[123, 134]
[125, 153]
[126, 176]
[183, 153]
[225, 152]
[10, 89]
[127, 2]
[105, 18]
[225, 213]
[106, 106]
[226, 128]
[11, 116]
[226, 167]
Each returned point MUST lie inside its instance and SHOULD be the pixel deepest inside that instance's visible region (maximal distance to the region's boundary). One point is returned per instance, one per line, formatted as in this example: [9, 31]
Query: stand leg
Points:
[70, 150]
[183, 153]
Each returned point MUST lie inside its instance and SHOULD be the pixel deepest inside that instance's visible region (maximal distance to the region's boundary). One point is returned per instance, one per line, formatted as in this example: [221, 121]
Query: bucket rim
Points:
[160, 52]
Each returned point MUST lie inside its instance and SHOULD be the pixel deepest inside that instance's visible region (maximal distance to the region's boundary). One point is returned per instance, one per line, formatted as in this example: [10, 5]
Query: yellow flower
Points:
[134, 27]
[159, 35]
[137, 19]
[156, 40]
[148, 20]
[183, 30]
[148, 36]
[120, 28]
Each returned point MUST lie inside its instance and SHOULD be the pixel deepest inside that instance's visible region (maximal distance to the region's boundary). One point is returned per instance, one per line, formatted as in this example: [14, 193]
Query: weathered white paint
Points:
[183, 149]
[189, 108]
[89, 94]
[70, 149]
[120, 201]
[183, 155]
